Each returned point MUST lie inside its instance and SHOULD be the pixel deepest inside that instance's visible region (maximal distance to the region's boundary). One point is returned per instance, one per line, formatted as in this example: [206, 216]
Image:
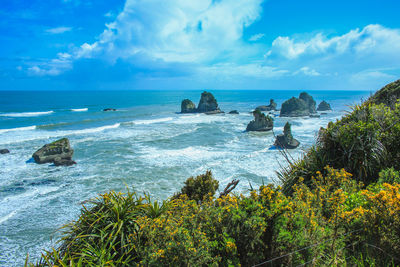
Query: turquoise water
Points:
[145, 144]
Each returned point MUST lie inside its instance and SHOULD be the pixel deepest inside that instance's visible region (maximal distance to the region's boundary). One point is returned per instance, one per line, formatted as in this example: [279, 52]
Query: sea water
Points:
[146, 145]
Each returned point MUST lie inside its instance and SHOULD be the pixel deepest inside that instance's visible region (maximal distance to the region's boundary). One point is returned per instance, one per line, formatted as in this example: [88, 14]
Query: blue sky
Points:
[198, 44]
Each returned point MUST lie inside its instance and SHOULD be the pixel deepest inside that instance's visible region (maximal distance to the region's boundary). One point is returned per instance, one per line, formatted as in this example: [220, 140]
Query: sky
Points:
[199, 44]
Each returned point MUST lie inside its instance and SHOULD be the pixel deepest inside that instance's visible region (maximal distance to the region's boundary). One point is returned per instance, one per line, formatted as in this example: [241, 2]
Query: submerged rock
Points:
[272, 106]
[109, 109]
[187, 106]
[324, 106]
[4, 151]
[309, 101]
[233, 112]
[60, 150]
[63, 162]
[208, 103]
[286, 139]
[315, 116]
[261, 122]
[294, 107]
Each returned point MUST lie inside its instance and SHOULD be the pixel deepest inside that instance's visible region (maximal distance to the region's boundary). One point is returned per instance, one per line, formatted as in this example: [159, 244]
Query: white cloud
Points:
[256, 37]
[170, 31]
[58, 30]
[179, 30]
[254, 70]
[308, 71]
[372, 39]
[54, 67]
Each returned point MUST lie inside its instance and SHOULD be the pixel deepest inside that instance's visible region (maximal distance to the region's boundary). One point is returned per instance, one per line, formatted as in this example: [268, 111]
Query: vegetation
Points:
[338, 206]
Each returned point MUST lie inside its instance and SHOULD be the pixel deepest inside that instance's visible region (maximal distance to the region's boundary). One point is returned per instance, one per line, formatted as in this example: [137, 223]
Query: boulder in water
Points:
[286, 139]
[208, 103]
[233, 112]
[324, 106]
[4, 151]
[309, 101]
[63, 162]
[58, 149]
[294, 107]
[261, 122]
[187, 106]
[272, 106]
[109, 109]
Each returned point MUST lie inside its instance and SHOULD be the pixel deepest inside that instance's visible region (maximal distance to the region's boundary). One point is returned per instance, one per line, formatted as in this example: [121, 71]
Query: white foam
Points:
[200, 118]
[138, 122]
[90, 130]
[18, 129]
[8, 216]
[26, 114]
[79, 109]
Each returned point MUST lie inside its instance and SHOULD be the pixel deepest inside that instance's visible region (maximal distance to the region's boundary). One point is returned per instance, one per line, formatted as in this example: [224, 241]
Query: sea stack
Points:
[294, 107]
[272, 106]
[208, 105]
[261, 122]
[309, 101]
[58, 152]
[298, 107]
[187, 106]
[286, 139]
[324, 106]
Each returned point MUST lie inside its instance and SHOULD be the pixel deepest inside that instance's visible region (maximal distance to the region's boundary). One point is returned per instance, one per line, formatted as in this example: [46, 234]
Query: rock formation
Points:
[286, 139]
[233, 112]
[4, 151]
[208, 105]
[309, 101]
[187, 106]
[59, 151]
[260, 123]
[294, 107]
[324, 106]
[272, 106]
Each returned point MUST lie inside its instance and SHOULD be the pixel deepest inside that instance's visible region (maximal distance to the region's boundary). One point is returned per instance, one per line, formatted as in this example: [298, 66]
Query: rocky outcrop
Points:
[187, 106]
[272, 106]
[324, 106]
[208, 103]
[387, 95]
[4, 151]
[294, 107]
[109, 109]
[233, 112]
[286, 139]
[309, 101]
[59, 151]
[261, 122]
[63, 162]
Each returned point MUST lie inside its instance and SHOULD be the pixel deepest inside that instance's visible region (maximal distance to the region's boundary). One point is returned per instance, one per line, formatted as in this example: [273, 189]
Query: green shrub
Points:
[199, 187]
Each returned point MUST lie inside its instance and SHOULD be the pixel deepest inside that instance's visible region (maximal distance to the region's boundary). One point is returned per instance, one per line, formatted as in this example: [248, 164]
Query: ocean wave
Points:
[18, 129]
[90, 130]
[138, 122]
[26, 114]
[79, 109]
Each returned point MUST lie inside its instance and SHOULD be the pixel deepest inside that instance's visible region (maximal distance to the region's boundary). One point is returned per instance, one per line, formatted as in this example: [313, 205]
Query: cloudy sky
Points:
[198, 44]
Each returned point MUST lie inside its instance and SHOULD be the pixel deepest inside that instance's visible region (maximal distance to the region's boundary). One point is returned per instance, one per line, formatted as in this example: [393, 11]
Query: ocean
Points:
[146, 145]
